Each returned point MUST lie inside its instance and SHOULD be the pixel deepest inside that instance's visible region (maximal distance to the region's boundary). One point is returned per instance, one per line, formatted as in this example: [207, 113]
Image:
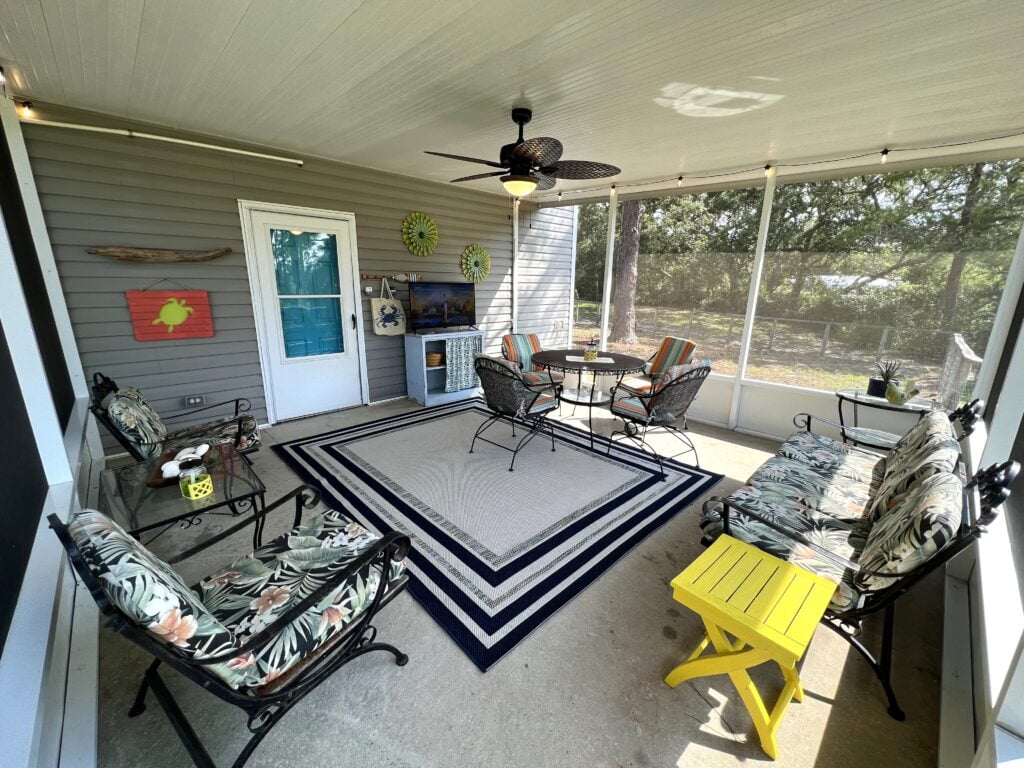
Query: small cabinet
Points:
[426, 383]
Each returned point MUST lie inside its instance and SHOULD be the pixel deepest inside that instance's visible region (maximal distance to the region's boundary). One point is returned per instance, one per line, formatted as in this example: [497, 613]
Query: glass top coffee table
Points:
[128, 495]
[571, 361]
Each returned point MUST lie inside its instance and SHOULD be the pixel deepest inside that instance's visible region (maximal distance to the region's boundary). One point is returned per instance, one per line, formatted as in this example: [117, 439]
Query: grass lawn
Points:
[793, 356]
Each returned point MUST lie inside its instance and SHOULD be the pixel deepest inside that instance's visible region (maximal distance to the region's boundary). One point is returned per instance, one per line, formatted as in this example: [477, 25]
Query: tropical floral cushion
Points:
[147, 590]
[814, 492]
[250, 593]
[133, 417]
[832, 535]
[834, 456]
[216, 433]
[936, 453]
[908, 534]
[932, 425]
[241, 599]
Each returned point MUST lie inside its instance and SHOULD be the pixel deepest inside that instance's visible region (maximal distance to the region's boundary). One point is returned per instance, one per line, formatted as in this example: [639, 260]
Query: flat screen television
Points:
[435, 306]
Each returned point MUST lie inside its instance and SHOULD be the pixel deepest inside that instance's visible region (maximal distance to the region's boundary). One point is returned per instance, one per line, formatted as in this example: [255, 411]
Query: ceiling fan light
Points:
[519, 185]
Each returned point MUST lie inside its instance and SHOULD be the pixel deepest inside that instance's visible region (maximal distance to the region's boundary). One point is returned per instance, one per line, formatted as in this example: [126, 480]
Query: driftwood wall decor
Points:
[157, 255]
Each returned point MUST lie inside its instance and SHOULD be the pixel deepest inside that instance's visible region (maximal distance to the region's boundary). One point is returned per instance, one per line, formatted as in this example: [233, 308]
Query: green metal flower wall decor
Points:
[476, 263]
[419, 233]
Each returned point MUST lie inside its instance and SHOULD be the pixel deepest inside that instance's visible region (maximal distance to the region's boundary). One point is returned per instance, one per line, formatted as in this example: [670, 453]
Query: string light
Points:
[26, 109]
[559, 196]
[767, 170]
[3, 77]
[882, 155]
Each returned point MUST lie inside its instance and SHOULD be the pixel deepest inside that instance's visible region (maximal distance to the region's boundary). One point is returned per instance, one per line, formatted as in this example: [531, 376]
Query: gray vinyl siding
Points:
[104, 190]
[544, 273]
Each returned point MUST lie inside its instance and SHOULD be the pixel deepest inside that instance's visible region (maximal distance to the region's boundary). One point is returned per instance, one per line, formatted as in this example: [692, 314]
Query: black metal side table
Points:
[571, 361]
[877, 438]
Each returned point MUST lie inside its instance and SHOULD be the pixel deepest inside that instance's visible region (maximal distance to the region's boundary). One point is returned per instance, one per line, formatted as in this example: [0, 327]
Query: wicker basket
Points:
[434, 359]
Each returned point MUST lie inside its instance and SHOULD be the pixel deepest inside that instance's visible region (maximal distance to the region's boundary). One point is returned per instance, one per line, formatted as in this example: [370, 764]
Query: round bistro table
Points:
[571, 361]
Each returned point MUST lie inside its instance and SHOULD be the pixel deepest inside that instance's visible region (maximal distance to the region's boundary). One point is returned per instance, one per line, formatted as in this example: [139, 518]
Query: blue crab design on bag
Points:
[388, 315]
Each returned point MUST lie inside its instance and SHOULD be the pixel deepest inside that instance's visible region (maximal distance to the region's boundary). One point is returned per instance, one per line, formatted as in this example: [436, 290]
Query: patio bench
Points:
[874, 524]
[144, 434]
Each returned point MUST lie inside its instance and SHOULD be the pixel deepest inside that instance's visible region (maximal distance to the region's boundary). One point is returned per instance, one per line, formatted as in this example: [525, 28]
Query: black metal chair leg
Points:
[882, 669]
[139, 706]
[480, 430]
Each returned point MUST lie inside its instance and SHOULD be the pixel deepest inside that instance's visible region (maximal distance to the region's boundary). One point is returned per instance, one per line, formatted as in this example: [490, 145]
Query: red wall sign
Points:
[163, 315]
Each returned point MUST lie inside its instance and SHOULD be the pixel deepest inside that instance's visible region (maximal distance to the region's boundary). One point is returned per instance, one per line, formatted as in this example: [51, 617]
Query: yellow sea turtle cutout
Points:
[173, 313]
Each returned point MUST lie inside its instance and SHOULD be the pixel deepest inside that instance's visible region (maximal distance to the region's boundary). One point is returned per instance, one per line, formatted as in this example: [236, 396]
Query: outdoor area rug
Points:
[494, 553]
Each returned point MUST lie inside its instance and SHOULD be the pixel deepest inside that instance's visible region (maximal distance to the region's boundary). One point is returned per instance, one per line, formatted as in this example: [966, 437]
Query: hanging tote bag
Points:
[388, 315]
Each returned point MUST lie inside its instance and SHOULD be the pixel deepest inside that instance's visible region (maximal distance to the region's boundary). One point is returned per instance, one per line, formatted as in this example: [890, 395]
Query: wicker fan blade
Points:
[580, 169]
[540, 151]
[476, 176]
[466, 159]
[544, 182]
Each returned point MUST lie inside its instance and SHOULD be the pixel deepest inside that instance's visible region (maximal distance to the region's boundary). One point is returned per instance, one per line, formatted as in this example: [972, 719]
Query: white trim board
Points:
[246, 208]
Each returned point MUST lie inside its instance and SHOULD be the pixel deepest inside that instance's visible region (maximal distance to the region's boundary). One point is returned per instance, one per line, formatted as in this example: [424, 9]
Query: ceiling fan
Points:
[529, 164]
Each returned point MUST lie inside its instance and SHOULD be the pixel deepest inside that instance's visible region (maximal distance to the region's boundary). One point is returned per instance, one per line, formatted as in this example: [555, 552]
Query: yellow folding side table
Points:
[769, 606]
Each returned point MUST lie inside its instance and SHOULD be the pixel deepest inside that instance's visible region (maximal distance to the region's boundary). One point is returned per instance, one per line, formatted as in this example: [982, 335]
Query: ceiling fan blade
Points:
[544, 182]
[580, 169]
[466, 159]
[476, 176]
[541, 151]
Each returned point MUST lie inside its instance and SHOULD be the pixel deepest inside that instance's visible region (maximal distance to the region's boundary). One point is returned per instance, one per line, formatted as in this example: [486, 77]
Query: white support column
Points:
[609, 261]
[572, 276]
[515, 259]
[755, 286]
[11, 127]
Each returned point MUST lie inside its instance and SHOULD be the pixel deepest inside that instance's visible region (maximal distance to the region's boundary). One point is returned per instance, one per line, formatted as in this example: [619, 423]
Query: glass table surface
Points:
[858, 395]
[127, 497]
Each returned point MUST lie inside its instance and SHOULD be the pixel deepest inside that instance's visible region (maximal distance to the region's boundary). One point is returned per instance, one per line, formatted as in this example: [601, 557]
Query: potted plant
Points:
[887, 370]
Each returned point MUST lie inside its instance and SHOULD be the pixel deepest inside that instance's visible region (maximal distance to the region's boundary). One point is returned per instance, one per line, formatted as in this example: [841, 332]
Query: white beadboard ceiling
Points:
[644, 84]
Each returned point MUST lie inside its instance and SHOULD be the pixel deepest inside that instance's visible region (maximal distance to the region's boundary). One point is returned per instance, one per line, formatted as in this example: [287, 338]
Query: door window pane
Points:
[311, 327]
[305, 263]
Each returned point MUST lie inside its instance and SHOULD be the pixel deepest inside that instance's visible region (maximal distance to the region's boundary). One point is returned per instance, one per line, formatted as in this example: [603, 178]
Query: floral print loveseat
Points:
[885, 514]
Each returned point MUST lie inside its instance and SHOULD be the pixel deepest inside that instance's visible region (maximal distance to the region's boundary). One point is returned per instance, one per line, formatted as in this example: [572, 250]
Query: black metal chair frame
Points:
[535, 423]
[983, 495]
[264, 708]
[103, 386]
[636, 429]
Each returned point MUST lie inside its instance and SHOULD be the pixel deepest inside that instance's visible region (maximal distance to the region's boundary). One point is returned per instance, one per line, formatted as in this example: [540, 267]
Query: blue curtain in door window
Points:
[311, 327]
[306, 264]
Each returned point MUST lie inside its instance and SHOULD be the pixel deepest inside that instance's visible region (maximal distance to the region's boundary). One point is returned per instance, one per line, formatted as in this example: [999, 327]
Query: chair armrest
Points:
[631, 390]
[241, 405]
[305, 496]
[391, 546]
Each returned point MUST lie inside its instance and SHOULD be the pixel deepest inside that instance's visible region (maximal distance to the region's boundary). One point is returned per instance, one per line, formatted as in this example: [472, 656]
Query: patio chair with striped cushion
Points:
[519, 348]
[662, 407]
[510, 399]
[672, 352]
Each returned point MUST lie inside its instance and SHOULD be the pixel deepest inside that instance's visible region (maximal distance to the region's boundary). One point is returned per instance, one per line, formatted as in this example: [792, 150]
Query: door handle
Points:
[353, 321]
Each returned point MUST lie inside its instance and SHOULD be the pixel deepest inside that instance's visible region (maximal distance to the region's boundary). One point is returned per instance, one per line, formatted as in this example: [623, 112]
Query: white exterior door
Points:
[305, 296]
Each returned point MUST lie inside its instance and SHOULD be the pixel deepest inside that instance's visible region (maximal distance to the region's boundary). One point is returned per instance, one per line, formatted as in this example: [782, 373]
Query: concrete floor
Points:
[584, 690]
